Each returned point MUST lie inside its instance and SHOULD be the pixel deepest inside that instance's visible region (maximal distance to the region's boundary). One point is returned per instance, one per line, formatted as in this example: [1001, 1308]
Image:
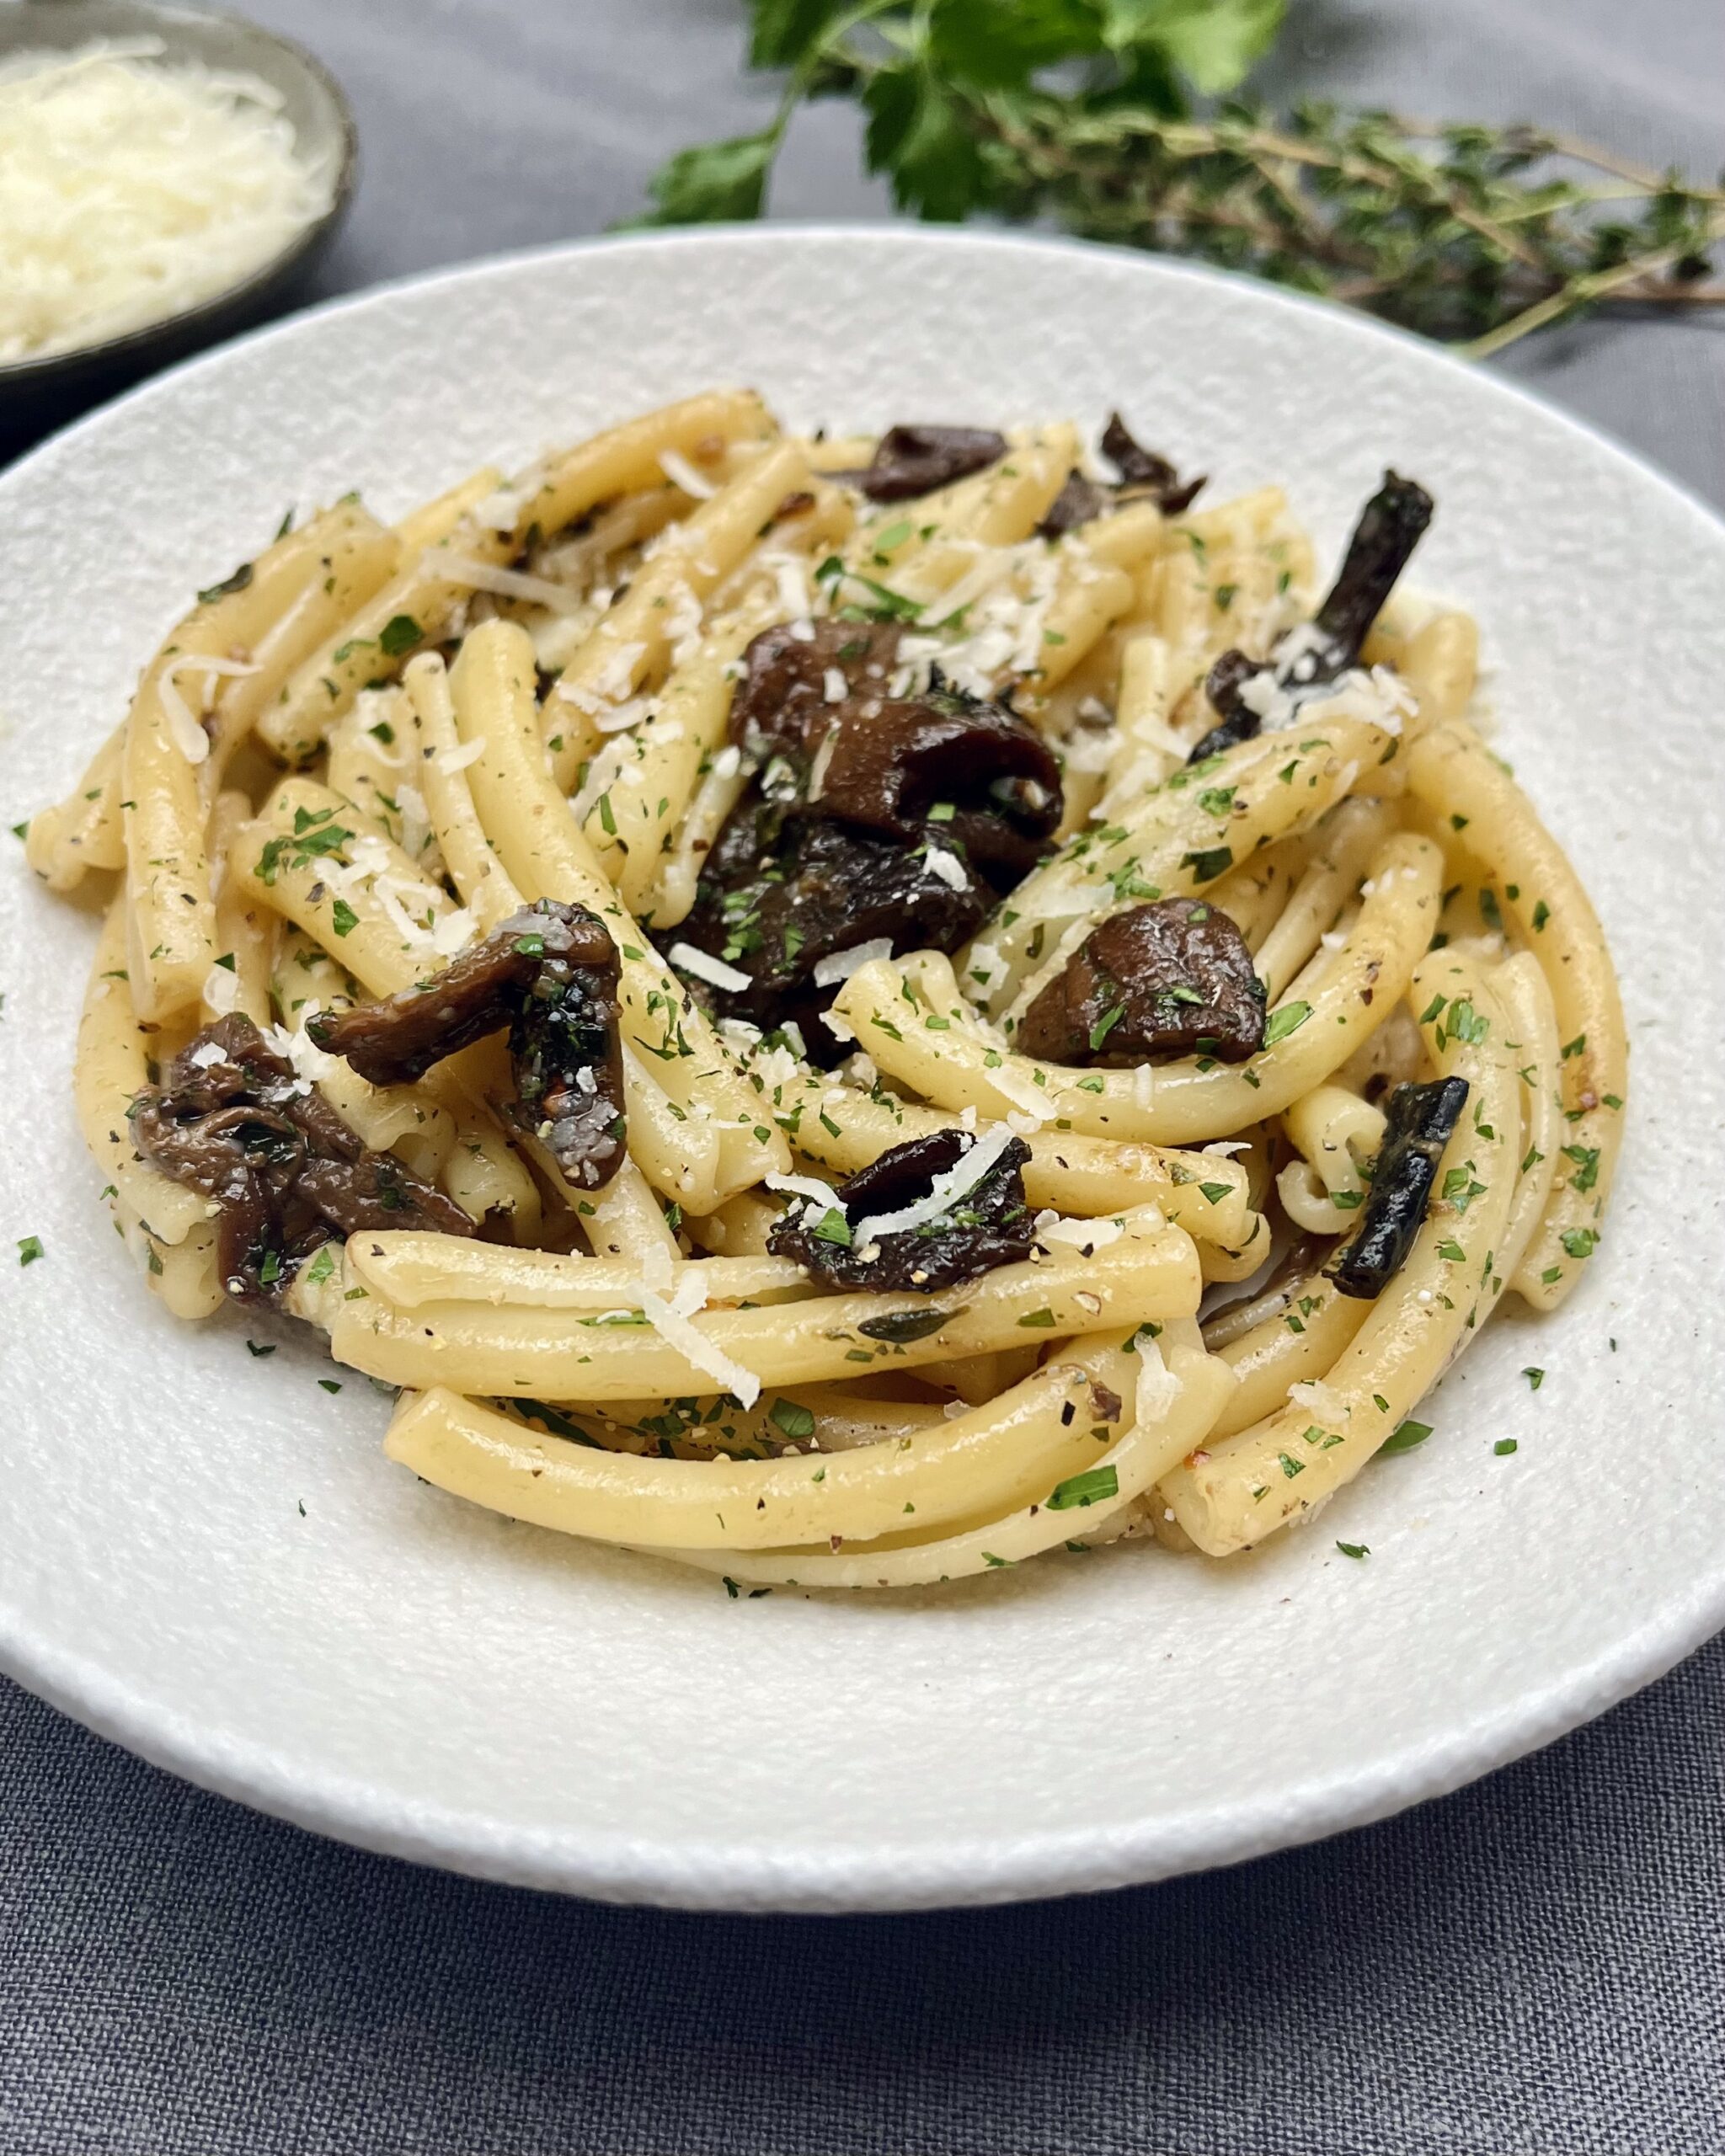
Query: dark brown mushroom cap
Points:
[286, 1174]
[780, 893]
[1389, 529]
[886, 763]
[1079, 502]
[909, 461]
[1145, 471]
[550, 974]
[1171, 978]
[990, 1225]
[781, 707]
[1419, 1121]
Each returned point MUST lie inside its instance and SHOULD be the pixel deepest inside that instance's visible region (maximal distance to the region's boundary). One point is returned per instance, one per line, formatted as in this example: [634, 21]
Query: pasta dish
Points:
[849, 1012]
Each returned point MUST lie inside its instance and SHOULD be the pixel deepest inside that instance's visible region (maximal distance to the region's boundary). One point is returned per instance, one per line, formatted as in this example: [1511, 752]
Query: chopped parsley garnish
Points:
[1405, 1439]
[1289, 1019]
[1093, 1486]
[399, 634]
[237, 582]
[29, 1249]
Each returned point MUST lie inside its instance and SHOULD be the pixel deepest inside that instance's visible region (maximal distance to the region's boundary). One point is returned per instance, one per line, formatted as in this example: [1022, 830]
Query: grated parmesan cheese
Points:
[959, 1182]
[947, 867]
[839, 965]
[705, 967]
[501, 583]
[131, 189]
[184, 725]
[677, 468]
[671, 1321]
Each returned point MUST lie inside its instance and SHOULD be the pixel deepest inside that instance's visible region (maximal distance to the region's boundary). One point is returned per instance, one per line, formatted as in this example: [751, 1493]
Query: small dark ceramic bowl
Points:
[38, 394]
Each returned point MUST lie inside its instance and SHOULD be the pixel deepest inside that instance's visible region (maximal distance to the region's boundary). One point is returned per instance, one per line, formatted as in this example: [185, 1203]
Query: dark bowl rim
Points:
[23, 374]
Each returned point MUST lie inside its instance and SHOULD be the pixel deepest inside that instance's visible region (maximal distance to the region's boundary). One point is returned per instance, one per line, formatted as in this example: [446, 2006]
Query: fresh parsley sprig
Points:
[1111, 118]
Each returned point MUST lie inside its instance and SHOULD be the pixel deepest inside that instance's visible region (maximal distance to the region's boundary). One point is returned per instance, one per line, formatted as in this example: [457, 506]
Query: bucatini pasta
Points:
[844, 1011]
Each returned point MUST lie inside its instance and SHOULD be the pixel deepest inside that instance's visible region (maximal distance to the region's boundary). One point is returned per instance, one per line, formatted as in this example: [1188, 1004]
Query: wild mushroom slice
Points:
[910, 460]
[969, 1224]
[781, 895]
[1173, 978]
[234, 1121]
[819, 712]
[1143, 474]
[1145, 470]
[1389, 529]
[549, 974]
[1419, 1121]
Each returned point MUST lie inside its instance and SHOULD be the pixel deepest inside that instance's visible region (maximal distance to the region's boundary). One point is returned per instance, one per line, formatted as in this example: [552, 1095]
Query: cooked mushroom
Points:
[549, 974]
[1389, 530]
[926, 1215]
[1079, 502]
[909, 461]
[1171, 978]
[818, 712]
[1142, 473]
[1418, 1124]
[235, 1123]
[782, 893]
[875, 816]
[1142, 470]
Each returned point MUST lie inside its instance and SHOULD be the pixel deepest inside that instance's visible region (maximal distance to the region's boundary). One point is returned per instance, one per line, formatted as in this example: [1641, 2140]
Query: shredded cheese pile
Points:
[132, 190]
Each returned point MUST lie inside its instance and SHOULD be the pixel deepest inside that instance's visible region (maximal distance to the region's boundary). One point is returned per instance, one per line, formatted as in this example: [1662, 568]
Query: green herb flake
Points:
[1093, 1486]
[1289, 1019]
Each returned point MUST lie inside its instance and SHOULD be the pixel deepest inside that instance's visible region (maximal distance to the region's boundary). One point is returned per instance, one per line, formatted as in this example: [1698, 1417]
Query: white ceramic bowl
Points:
[206, 1557]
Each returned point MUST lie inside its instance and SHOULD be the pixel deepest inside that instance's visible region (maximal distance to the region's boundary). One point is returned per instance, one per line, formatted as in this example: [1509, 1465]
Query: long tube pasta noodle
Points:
[1297, 1339]
[1231, 1493]
[1014, 1449]
[245, 930]
[1152, 1275]
[409, 1268]
[959, 1059]
[441, 775]
[1452, 771]
[416, 608]
[112, 1067]
[65, 842]
[1164, 1426]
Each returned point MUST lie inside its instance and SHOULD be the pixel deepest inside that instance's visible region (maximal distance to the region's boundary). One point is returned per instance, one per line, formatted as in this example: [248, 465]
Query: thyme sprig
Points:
[1110, 119]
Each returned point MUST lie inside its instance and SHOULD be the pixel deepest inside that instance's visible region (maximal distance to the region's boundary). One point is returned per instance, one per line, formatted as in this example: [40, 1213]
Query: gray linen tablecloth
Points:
[1533, 1965]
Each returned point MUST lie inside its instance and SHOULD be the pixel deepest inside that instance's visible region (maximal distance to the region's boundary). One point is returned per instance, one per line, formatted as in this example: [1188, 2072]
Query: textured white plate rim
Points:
[706, 1874]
